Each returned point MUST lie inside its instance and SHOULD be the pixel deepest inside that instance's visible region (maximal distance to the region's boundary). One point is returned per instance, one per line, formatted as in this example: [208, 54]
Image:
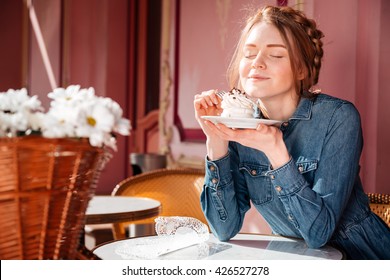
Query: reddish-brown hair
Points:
[303, 41]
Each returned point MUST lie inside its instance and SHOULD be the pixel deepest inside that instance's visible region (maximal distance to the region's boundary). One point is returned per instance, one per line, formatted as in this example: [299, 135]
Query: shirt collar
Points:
[303, 111]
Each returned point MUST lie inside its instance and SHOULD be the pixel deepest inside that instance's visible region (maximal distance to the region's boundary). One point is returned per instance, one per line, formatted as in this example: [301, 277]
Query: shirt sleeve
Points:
[224, 202]
[316, 209]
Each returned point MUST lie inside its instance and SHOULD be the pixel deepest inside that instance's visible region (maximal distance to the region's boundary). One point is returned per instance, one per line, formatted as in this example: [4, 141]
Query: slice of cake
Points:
[236, 104]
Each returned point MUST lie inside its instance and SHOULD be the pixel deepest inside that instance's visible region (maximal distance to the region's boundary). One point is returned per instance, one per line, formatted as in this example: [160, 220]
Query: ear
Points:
[301, 73]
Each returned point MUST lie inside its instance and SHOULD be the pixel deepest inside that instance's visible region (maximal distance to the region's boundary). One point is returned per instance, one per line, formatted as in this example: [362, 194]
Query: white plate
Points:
[240, 122]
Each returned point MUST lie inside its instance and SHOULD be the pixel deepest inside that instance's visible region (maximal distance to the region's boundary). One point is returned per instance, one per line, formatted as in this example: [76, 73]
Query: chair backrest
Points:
[178, 190]
[380, 205]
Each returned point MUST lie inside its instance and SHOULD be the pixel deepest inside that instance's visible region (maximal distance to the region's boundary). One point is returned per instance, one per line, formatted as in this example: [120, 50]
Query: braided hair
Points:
[303, 41]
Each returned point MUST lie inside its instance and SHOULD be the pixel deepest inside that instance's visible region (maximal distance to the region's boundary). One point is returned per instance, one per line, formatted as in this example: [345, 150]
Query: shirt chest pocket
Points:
[307, 167]
[258, 184]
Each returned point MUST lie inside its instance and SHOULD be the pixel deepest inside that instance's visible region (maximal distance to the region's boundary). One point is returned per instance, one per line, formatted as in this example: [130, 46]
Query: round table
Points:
[241, 247]
[118, 209]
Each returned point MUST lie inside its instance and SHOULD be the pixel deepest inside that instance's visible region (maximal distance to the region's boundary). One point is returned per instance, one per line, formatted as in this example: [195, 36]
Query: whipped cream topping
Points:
[236, 104]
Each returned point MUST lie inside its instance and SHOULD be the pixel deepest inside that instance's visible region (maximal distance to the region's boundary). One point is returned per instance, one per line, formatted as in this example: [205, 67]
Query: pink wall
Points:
[367, 87]
[383, 124]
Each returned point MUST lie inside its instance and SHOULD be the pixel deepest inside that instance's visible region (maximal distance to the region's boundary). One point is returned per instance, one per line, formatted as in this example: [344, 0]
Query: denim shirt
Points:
[317, 195]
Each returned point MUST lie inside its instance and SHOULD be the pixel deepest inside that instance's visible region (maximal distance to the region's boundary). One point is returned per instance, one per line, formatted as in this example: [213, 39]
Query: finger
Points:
[227, 132]
[209, 123]
[197, 103]
[215, 98]
[262, 128]
[198, 98]
[209, 100]
[212, 95]
[216, 127]
[205, 97]
[212, 128]
[213, 125]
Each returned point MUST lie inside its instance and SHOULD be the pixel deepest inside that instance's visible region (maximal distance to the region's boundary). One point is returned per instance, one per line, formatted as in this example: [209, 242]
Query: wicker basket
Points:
[45, 187]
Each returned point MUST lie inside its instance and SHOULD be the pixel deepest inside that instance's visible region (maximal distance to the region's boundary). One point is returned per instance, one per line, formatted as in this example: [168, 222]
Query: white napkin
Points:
[173, 233]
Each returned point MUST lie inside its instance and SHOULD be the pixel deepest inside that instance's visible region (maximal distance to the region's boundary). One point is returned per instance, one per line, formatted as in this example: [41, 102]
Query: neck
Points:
[281, 108]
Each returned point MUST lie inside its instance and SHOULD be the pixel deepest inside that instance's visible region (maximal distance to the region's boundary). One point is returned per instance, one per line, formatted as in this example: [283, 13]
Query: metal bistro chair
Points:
[178, 190]
[380, 205]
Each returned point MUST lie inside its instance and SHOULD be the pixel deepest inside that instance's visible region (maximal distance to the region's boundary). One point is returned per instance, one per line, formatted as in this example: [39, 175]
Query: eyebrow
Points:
[268, 46]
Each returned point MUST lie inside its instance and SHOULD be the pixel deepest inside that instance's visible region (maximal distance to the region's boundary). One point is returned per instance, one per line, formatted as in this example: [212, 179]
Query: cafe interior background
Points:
[153, 56]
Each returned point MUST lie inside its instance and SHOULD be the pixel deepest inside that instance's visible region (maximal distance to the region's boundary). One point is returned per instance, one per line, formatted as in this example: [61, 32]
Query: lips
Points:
[257, 77]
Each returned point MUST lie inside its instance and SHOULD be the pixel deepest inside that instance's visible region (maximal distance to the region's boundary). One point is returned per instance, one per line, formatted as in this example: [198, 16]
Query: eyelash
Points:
[253, 56]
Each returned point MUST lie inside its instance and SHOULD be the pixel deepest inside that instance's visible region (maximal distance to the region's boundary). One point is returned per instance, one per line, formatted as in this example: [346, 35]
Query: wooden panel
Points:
[144, 49]
[13, 47]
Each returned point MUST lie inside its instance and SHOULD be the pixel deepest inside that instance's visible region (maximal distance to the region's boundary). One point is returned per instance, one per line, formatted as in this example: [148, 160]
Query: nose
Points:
[258, 62]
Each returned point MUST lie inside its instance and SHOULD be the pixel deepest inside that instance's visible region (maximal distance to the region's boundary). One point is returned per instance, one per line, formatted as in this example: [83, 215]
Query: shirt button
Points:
[272, 176]
[300, 168]
[212, 167]
[290, 217]
[214, 180]
[278, 188]
[253, 172]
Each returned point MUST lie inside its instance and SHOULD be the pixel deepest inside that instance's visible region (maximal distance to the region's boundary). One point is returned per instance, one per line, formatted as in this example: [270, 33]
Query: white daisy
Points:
[73, 112]
[56, 128]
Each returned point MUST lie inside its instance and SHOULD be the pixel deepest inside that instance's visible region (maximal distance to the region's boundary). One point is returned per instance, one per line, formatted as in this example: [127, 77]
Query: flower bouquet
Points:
[50, 163]
[73, 113]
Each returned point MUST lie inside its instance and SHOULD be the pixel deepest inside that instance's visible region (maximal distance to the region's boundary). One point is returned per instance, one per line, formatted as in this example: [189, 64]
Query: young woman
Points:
[303, 176]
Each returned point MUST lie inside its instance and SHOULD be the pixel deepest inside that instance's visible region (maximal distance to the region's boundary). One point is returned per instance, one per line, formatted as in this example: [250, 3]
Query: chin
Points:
[255, 93]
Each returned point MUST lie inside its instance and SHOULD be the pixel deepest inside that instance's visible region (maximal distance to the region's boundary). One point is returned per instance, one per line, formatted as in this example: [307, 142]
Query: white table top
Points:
[241, 247]
[114, 209]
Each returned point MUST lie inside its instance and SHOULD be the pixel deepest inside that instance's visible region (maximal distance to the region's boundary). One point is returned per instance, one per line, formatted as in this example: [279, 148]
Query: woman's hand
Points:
[209, 104]
[268, 139]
